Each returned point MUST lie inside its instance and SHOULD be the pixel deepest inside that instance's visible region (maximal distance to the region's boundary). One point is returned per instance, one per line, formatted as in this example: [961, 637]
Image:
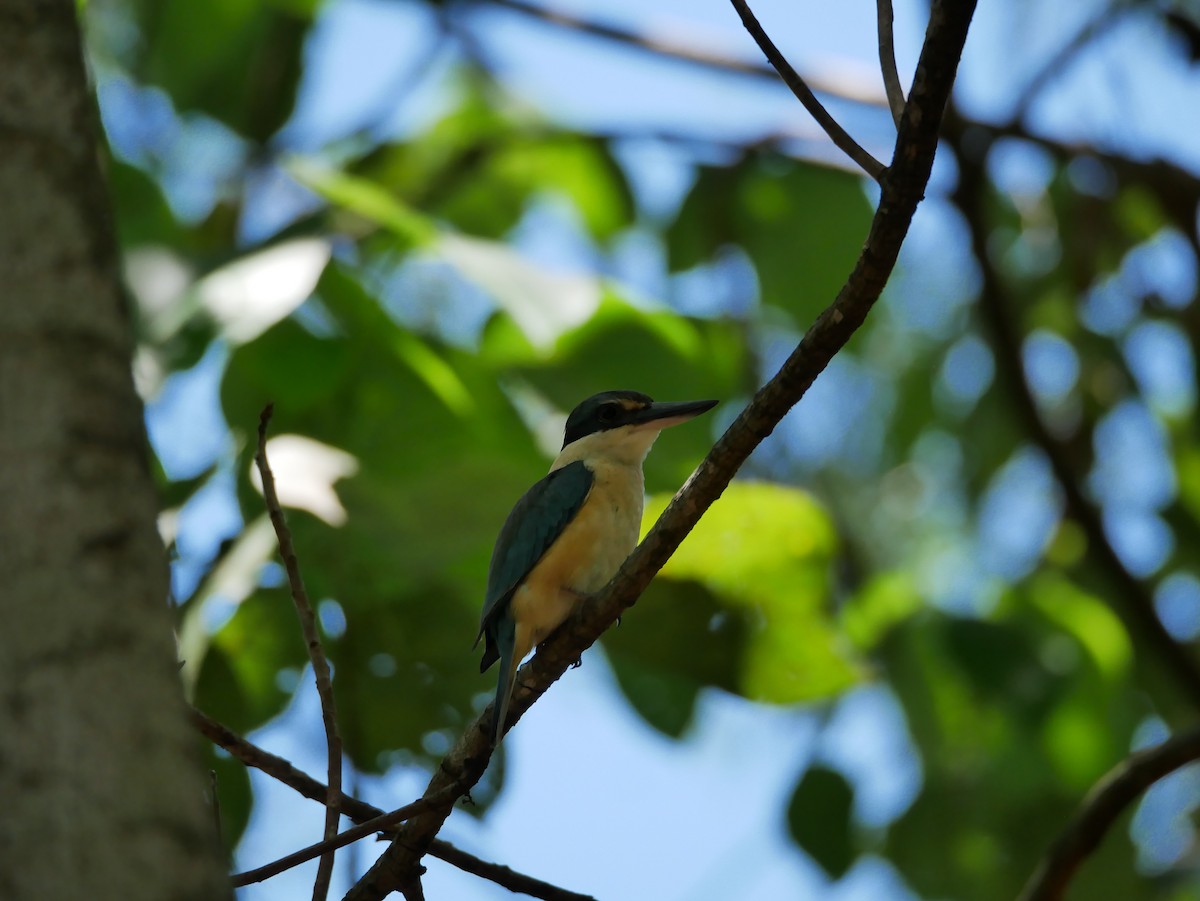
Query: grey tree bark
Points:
[103, 794]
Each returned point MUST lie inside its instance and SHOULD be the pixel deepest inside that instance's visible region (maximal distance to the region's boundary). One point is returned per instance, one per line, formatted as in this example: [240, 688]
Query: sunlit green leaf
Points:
[888, 599]
[1088, 619]
[366, 199]
[764, 551]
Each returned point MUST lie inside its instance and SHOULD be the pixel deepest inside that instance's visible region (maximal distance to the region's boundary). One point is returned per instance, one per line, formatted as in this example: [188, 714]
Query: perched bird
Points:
[570, 533]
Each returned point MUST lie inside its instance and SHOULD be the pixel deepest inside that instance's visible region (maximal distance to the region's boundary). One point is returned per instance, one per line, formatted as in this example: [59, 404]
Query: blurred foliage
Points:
[819, 819]
[431, 345]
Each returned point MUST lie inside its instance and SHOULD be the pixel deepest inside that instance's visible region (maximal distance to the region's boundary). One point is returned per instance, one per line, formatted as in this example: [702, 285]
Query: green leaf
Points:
[367, 199]
[404, 669]
[235, 60]
[661, 353]
[238, 682]
[142, 213]
[677, 639]
[1100, 632]
[887, 600]
[288, 366]
[801, 224]
[662, 698]
[818, 817]
[480, 166]
[988, 718]
[764, 550]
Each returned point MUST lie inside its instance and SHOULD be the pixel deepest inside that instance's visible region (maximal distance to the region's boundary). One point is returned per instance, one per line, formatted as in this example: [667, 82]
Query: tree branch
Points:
[383, 822]
[902, 188]
[502, 875]
[282, 770]
[312, 639]
[887, 59]
[683, 53]
[1119, 788]
[1130, 596]
[792, 79]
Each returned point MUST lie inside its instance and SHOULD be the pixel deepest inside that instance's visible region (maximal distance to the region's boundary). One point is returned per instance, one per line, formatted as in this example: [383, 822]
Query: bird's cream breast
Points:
[588, 553]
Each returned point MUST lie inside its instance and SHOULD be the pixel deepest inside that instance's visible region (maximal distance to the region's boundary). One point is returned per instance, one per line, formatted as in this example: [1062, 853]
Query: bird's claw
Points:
[578, 663]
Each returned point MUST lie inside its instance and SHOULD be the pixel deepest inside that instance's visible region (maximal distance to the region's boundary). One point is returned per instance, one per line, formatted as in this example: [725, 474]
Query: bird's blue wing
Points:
[538, 518]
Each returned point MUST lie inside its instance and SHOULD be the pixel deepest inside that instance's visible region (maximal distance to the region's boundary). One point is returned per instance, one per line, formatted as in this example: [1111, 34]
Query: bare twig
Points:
[312, 639]
[887, 60]
[1057, 63]
[282, 770]
[381, 823]
[684, 53]
[1119, 788]
[216, 803]
[792, 79]
[902, 188]
[1130, 597]
[502, 875]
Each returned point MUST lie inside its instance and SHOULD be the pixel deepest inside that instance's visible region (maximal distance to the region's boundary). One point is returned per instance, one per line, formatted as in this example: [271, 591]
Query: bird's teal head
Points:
[623, 423]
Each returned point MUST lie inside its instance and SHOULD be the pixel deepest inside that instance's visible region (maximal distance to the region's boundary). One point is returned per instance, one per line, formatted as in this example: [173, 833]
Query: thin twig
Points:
[312, 639]
[502, 875]
[1129, 597]
[792, 79]
[684, 53]
[887, 60]
[383, 822]
[1119, 788]
[1057, 63]
[216, 804]
[360, 812]
[902, 188]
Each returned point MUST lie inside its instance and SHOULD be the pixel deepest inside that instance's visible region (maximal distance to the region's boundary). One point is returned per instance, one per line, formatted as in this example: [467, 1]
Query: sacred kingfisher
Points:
[569, 534]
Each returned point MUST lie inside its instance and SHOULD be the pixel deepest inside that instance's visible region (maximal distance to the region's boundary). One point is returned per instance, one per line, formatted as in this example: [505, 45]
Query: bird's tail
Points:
[508, 672]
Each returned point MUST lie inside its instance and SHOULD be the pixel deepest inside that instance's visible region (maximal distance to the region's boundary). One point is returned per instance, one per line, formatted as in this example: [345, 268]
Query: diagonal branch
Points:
[1130, 597]
[308, 625]
[383, 822]
[1119, 788]
[887, 60]
[792, 79]
[902, 188]
[681, 52]
[282, 770]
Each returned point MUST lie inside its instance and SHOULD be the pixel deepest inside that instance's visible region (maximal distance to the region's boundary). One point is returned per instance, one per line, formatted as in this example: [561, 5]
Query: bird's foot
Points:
[578, 662]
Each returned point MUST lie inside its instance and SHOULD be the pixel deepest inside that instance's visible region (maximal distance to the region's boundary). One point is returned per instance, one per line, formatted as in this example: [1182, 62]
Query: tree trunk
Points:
[103, 793]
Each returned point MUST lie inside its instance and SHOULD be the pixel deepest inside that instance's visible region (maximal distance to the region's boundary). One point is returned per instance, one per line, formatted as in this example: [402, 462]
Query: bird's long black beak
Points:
[666, 414]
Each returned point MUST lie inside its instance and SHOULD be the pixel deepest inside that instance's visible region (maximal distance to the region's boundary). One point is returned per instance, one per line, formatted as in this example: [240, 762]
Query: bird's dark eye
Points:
[608, 413]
